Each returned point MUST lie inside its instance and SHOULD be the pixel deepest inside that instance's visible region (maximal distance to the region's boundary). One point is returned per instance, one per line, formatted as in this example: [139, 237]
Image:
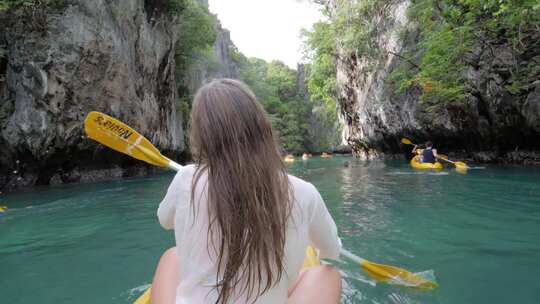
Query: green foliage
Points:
[173, 7]
[353, 23]
[276, 87]
[448, 32]
[197, 33]
[194, 47]
[449, 29]
[320, 49]
[8, 4]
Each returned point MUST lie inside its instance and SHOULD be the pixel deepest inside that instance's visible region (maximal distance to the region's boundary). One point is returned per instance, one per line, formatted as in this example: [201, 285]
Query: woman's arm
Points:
[167, 208]
[323, 230]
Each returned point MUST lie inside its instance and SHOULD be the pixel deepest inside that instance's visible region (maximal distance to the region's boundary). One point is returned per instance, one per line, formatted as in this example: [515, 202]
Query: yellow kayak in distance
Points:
[311, 260]
[415, 163]
[288, 159]
[3, 210]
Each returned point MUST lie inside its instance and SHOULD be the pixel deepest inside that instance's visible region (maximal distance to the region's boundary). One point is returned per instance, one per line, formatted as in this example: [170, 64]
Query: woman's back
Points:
[309, 224]
[241, 223]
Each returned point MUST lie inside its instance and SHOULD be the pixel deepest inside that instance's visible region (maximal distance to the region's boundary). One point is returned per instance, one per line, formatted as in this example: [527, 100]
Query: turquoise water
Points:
[479, 233]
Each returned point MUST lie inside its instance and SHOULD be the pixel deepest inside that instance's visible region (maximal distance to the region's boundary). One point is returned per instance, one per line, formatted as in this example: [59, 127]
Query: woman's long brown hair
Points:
[248, 190]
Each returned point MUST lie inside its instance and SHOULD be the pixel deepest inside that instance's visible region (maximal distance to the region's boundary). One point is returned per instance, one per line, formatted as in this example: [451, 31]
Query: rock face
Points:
[221, 66]
[493, 119]
[227, 67]
[116, 57]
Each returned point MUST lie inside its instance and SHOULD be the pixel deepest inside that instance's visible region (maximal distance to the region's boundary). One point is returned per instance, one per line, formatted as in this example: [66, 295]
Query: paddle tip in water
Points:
[422, 280]
[400, 277]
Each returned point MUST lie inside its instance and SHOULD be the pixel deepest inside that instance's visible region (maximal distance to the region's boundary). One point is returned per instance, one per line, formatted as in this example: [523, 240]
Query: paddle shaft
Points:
[408, 142]
[174, 165]
[459, 165]
[352, 256]
[447, 160]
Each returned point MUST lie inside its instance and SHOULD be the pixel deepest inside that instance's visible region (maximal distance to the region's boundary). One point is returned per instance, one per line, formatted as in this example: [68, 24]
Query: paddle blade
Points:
[396, 276]
[461, 165]
[406, 141]
[120, 137]
[145, 298]
[311, 259]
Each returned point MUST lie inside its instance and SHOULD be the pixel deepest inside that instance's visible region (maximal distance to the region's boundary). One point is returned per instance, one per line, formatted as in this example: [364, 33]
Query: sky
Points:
[267, 29]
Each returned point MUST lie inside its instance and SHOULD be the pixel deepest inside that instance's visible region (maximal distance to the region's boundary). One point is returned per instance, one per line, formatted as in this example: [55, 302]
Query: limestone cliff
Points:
[219, 65]
[493, 118]
[111, 56]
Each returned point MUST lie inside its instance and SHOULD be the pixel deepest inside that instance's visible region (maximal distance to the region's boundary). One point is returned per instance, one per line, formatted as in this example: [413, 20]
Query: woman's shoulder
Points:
[302, 188]
[184, 175]
[188, 169]
[307, 198]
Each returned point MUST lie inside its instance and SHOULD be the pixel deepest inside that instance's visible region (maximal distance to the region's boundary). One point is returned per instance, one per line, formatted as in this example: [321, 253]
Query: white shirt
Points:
[309, 224]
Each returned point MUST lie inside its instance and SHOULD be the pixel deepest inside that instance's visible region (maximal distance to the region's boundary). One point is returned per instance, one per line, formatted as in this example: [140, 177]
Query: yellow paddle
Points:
[120, 137]
[458, 164]
[406, 141]
[391, 274]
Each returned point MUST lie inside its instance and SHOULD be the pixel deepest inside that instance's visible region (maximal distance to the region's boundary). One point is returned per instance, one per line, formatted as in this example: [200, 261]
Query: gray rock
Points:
[221, 66]
[376, 115]
[98, 175]
[485, 157]
[110, 56]
[531, 108]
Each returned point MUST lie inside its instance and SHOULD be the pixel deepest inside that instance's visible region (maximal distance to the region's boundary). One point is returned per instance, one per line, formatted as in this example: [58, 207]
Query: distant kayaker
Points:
[241, 223]
[429, 155]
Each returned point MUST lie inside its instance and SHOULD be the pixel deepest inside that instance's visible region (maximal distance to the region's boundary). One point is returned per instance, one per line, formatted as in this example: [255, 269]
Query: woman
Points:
[241, 223]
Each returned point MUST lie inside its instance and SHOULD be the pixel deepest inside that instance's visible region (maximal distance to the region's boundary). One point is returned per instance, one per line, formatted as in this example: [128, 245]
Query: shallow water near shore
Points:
[479, 232]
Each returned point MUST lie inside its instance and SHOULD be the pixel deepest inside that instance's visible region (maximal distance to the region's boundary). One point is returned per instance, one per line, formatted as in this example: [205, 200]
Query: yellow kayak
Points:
[3, 210]
[289, 159]
[415, 163]
[311, 260]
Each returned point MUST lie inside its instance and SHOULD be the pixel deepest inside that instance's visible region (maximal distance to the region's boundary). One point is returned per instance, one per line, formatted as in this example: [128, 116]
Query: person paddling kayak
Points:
[241, 223]
[429, 155]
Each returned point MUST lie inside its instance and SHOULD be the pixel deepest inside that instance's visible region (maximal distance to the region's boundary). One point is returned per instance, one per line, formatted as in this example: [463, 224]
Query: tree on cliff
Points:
[276, 86]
